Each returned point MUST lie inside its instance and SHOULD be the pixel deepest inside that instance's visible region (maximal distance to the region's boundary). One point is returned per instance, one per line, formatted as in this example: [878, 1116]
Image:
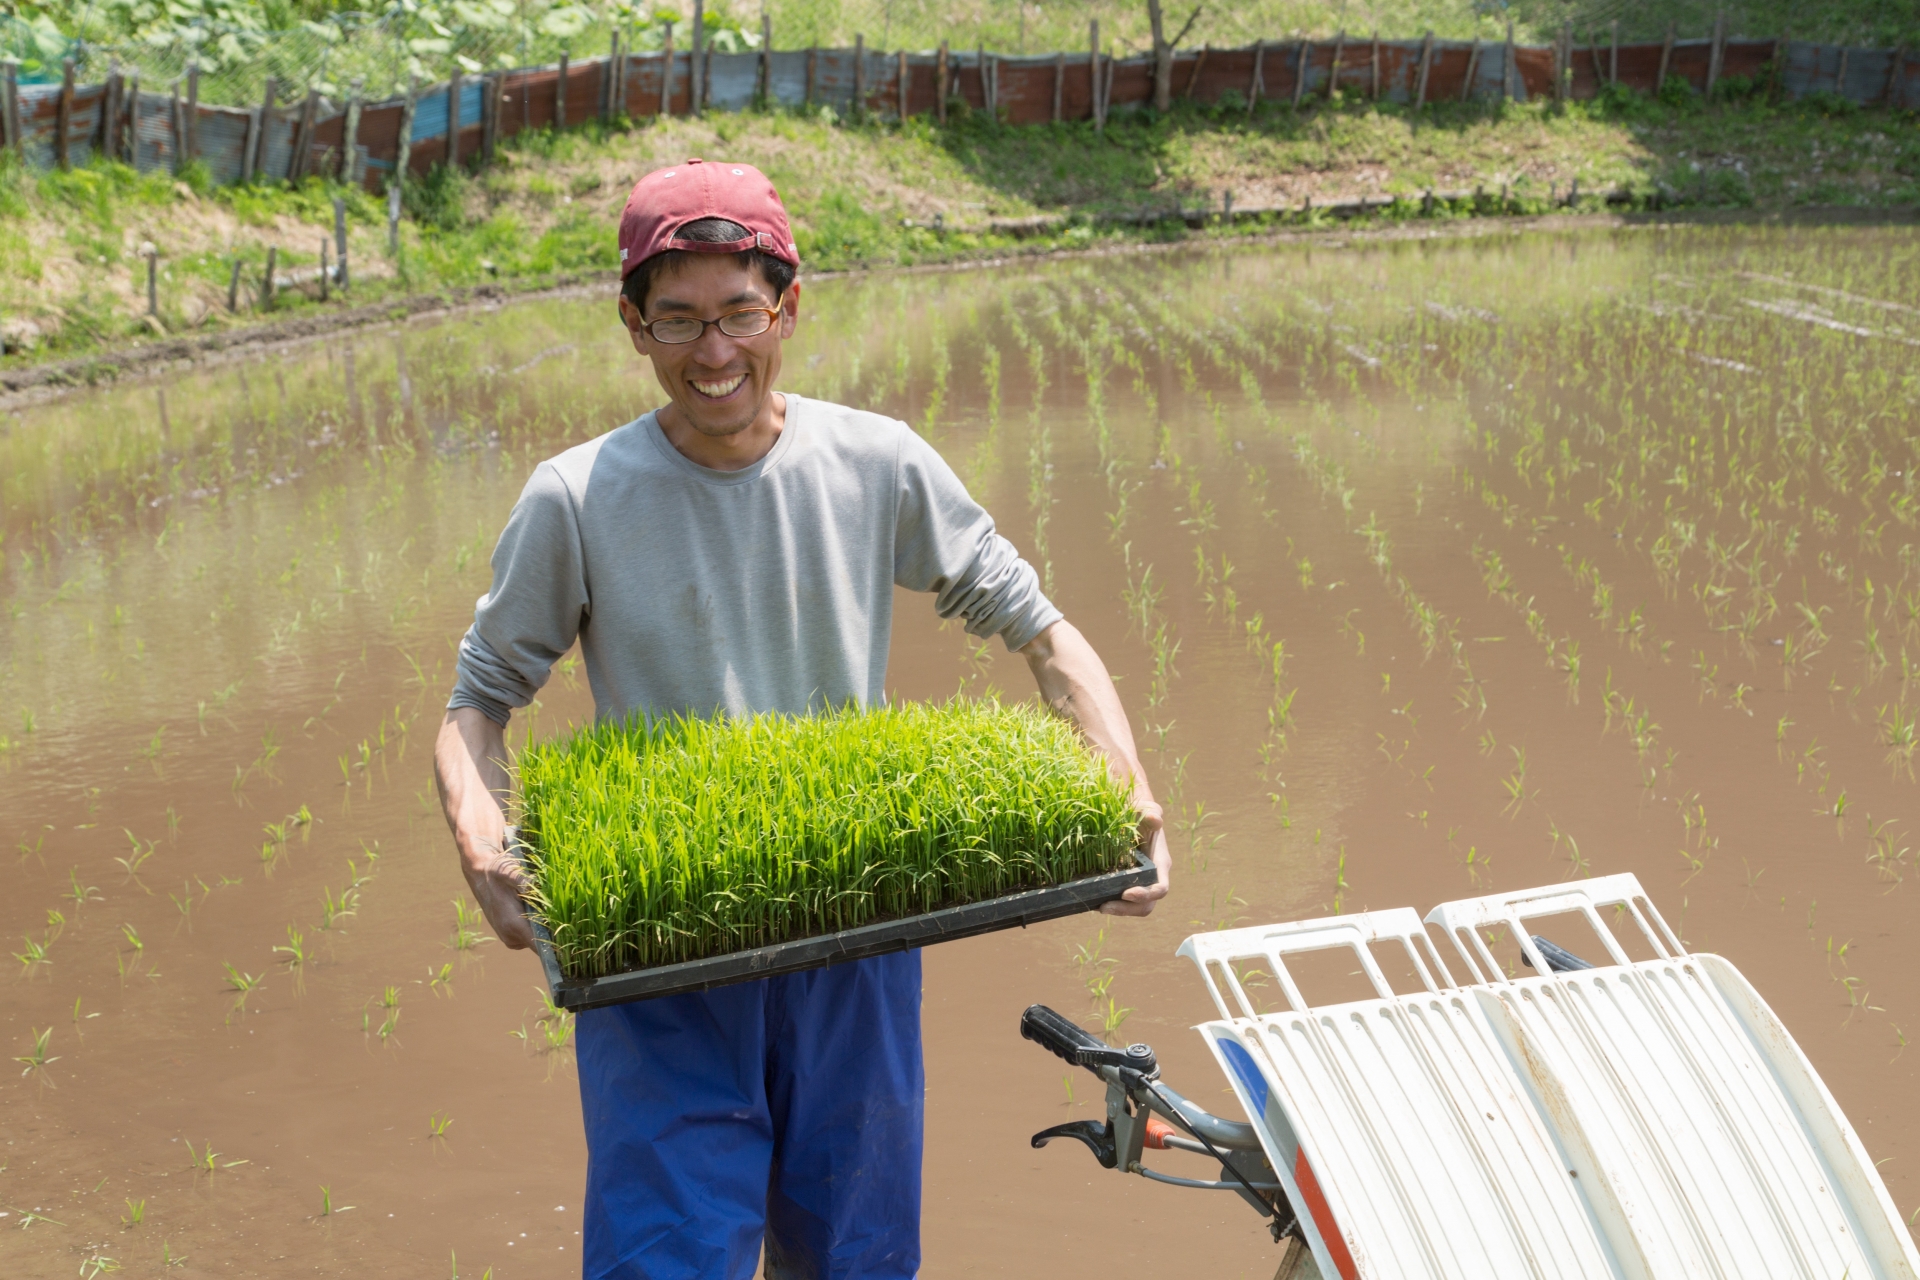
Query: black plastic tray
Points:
[1016, 909]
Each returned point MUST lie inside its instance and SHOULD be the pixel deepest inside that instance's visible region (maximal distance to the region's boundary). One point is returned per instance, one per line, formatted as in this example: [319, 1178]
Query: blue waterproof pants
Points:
[786, 1110]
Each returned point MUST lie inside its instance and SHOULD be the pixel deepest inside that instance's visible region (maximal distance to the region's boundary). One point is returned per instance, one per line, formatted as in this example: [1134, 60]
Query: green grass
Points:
[655, 843]
[885, 193]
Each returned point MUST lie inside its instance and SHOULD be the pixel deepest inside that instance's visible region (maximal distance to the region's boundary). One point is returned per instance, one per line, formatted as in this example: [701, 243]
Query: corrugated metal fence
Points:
[281, 140]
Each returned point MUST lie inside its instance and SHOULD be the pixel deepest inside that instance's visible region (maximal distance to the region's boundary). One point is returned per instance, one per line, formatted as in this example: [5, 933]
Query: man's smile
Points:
[718, 390]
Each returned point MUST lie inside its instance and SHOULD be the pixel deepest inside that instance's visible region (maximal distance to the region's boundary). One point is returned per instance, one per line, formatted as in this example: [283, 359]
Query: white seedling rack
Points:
[1645, 1120]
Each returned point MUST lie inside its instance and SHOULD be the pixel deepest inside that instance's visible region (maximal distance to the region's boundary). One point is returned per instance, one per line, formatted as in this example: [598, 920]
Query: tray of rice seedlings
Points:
[682, 853]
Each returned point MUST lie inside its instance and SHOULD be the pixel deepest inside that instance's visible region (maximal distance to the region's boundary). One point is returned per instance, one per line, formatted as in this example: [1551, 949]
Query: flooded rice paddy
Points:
[1428, 569]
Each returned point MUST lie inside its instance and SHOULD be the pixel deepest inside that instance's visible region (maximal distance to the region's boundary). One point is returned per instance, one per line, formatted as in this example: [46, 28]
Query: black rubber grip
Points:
[1066, 1040]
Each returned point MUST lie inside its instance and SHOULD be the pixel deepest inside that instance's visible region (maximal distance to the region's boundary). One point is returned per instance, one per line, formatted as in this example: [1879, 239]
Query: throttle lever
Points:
[1098, 1137]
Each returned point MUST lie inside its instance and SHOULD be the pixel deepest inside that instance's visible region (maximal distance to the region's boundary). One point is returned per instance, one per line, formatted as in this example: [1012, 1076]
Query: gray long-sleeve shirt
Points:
[766, 589]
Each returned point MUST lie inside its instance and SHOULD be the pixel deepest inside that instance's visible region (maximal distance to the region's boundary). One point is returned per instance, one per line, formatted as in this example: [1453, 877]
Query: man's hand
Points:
[1074, 682]
[1153, 838]
[469, 764]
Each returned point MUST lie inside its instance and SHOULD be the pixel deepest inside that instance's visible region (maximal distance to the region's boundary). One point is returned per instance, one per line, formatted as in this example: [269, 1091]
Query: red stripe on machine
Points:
[1323, 1217]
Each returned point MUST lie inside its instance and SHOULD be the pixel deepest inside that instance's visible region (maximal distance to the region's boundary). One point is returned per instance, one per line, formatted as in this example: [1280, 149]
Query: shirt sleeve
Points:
[535, 608]
[944, 542]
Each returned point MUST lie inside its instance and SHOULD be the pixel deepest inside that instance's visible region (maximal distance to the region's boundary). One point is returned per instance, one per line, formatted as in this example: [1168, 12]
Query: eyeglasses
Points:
[748, 322]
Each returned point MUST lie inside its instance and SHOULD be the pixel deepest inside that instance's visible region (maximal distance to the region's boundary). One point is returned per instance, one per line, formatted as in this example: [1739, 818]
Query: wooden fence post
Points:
[393, 219]
[11, 109]
[1563, 63]
[152, 256]
[1507, 76]
[109, 113]
[1426, 68]
[666, 74]
[942, 83]
[1333, 74]
[1666, 59]
[1718, 49]
[1473, 65]
[233, 288]
[990, 84]
[193, 111]
[1373, 91]
[1613, 55]
[1193, 76]
[176, 127]
[1059, 81]
[340, 236]
[63, 114]
[903, 82]
[859, 76]
[1300, 73]
[560, 92]
[266, 281]
[323, 268]
[454, 94]
[350, 137]
[766, 60]
[1258, 84]
[492, 89]
[133, 118]
[699, 58]
[1093, 71]
[303, 138]
[405, 156]
[256, 152]
[604, 91]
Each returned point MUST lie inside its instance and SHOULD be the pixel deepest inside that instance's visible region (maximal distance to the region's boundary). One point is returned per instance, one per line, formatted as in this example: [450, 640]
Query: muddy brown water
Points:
[1445, 478]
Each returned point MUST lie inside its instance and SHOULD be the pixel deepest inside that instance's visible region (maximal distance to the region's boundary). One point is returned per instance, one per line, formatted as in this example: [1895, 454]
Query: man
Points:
[735, 552]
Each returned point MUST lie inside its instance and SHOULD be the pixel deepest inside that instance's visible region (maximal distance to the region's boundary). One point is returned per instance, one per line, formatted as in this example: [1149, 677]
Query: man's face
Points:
[719, 383]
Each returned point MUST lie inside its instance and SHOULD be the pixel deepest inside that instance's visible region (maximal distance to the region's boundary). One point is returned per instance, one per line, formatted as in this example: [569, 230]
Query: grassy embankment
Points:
[73, 278]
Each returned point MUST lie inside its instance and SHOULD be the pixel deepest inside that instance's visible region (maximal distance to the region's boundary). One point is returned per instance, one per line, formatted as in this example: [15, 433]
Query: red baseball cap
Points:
[668, 199]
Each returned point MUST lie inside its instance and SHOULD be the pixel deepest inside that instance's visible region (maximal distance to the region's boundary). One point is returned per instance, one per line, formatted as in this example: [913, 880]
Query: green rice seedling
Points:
[465, 936]
[35, 954]
[295, 951]
[142, 850]
[136, 1213]
[333, 909]
[438, 1124]
[654, 843]
[79, 893]
[170, 1259]
[444, 978]
[37, 1058]
[207, 1160]
[244, 983]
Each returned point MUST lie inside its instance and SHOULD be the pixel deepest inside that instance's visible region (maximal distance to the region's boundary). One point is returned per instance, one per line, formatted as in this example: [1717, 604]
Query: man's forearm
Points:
[1074, 682]
[469, 765]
